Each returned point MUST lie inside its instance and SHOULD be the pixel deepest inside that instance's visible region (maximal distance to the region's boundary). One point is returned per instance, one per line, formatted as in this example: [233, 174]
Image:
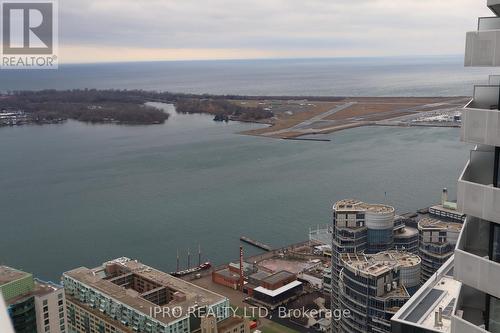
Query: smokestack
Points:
[444, 196]
[199, 255]
[440, 314]
[241, 269]
[178, 262]
[436, 319]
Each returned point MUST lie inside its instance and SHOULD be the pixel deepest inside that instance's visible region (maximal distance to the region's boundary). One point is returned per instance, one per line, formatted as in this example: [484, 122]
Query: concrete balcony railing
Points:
[486, 96]
[460, 325]
[482, 48]
[468, 311]
[475, 192]
[480, 125]
[494, 80]
[472, 264]
[494, 5]
[488, 23]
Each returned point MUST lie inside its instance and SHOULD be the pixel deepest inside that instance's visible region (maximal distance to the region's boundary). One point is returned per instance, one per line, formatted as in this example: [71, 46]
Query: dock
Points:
[307, 139]
[255, 243]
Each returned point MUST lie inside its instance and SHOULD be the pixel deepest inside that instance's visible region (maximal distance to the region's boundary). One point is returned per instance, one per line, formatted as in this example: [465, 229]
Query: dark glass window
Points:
[495, 253]
[494, 315]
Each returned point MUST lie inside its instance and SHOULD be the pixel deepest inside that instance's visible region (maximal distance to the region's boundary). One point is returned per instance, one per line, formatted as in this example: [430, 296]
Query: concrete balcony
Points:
[476, 195]
[460, 325]
[480, 125]
[468, 313]
[494, 6]
[472, 265]
[494, 80]
[482, 48]
[488, 23]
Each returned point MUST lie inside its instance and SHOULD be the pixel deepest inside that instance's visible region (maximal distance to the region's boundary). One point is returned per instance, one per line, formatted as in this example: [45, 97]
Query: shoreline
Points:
[287, 117]
[317, 118]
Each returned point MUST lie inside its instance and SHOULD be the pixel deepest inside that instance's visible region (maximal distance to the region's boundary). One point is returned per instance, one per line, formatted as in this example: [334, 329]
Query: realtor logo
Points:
[29, 34]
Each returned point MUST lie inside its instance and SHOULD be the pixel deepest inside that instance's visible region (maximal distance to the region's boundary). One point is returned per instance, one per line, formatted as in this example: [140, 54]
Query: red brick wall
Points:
[222, 280]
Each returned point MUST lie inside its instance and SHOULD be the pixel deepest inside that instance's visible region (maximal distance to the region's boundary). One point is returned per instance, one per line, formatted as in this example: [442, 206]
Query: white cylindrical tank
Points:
[379, 220]
[410, 270]
[379, 217]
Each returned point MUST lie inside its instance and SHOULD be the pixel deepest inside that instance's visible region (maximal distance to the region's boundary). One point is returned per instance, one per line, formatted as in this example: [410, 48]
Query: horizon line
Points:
[261, 59]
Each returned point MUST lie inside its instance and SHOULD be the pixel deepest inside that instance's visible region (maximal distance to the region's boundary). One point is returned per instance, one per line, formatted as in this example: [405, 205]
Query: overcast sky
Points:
[124, 30]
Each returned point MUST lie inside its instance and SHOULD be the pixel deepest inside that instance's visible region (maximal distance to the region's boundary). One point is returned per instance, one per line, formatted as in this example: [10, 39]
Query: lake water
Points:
[76, 195]
[405, 76]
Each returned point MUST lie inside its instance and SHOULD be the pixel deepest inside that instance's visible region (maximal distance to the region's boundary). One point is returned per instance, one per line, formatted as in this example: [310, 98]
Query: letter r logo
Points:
[27, 27]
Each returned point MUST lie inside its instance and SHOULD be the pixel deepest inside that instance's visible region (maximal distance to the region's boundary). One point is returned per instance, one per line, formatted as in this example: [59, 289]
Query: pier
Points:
[255, 243]
[307, 139]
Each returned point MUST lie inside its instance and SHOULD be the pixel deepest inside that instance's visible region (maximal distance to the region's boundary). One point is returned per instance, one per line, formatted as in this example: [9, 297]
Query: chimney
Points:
[178, 267]
[444, 196]
[241, 269]
[199, 255]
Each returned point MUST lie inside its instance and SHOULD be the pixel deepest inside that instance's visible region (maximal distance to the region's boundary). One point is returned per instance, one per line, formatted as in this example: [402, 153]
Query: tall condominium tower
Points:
[33, 305]
[374, 287]
[348, 236]
[358, 227]
[477, 255]
[437, 240]
[470, 303]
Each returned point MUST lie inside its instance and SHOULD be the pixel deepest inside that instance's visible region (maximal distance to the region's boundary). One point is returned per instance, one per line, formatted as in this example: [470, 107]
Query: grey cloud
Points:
[414, 25]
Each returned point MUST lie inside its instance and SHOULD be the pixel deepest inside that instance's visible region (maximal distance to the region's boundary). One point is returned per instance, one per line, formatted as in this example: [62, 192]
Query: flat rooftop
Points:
[380, 263]
[430, 223]
[9, 274]
[448, 209]
[440, 291]
[404, 259]
[246, 266]
[230, 323]
[275, 265]
[406, 232]
[278, 277]
[228, 274]
[356, 205]
[367, 264]
[99, 279]
[260, 275]
[279, 291]
[41, 289]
